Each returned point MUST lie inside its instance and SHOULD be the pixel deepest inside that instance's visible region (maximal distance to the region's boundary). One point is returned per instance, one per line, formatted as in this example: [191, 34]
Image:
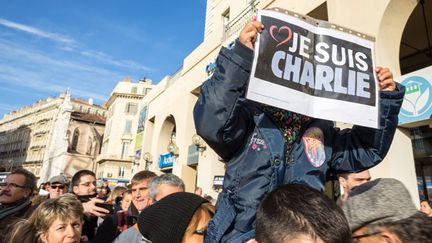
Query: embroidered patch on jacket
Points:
[313, 142]
[257, 143]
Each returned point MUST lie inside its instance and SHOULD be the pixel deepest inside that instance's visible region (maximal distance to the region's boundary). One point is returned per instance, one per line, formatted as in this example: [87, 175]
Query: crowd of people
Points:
[151, 209]
[270, 195]
[157, 209]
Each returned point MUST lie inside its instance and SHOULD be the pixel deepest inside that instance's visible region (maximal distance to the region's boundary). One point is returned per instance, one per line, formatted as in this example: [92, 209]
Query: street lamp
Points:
[148, 158]
[172, 148]
[199, 142]
[135, 164]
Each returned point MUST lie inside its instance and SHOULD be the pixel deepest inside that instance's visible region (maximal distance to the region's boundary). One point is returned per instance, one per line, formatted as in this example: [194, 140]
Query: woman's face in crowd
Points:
[198, 235]
[63, 231]
[126, 201]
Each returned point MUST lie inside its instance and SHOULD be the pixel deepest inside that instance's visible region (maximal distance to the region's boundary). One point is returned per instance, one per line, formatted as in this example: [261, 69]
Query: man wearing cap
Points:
[382, 211]
[58, 186]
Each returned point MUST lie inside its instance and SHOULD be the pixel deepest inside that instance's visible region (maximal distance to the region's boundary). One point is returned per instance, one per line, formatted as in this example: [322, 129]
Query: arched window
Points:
[75, 139]
[90, 146]
[96, 149]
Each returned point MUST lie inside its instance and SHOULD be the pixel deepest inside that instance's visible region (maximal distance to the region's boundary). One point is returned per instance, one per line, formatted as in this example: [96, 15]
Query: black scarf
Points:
[5, 212]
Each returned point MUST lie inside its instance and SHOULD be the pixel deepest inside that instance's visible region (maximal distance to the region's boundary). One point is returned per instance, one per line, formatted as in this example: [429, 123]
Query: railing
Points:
[238, 22]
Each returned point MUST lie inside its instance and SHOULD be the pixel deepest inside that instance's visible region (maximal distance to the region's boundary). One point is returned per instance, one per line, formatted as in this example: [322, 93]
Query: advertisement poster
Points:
[314, 68]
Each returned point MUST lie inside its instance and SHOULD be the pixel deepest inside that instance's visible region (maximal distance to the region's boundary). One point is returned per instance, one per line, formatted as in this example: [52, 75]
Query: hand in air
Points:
[250, 32]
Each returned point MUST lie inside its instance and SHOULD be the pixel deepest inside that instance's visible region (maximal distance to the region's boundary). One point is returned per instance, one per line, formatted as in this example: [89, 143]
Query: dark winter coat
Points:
[252, 144]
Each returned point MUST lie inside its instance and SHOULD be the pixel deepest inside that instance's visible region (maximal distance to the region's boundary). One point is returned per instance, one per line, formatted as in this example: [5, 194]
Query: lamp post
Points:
[135, 164]
[173, 149]
[199, 142]
[148, 158]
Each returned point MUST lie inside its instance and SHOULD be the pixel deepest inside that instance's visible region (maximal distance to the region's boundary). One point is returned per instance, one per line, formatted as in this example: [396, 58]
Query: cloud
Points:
[7, 107]
[29, 68]
[122, 63]
[38, 32]
[71, 45]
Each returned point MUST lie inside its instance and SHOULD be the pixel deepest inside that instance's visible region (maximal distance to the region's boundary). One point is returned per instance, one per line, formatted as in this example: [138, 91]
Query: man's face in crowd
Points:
[164, 190]
[13, 190]
[374, 235]
[86, 186]
[57, 189]
[140, 197]
[354, 179]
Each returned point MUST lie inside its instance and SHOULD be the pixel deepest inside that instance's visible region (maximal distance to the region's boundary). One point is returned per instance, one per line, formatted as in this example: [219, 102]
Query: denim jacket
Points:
[252, 144]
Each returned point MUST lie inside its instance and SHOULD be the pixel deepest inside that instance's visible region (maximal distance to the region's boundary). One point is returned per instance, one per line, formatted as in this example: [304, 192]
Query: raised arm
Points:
[221, 114]
[360, 148]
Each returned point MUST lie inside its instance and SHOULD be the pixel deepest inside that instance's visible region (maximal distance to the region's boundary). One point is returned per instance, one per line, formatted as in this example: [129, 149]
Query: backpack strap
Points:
[125, 225]
[119, 224]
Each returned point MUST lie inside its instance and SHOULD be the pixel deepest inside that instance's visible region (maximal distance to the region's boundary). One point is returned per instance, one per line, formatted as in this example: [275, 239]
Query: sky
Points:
[88, 46]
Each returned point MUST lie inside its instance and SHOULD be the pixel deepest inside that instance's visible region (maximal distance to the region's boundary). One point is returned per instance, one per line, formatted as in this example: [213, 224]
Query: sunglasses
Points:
[57, 186]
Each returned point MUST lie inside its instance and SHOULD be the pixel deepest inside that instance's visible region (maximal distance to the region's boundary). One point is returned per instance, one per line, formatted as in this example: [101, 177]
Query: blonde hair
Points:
[206, 211]
[64, 207]
[118, 191]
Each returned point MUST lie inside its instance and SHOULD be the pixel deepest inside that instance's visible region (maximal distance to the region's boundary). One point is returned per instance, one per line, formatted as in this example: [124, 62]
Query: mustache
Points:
[5, 193]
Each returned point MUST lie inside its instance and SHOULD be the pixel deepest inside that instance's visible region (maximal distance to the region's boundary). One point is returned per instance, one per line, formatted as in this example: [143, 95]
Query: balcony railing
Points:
[238, 22]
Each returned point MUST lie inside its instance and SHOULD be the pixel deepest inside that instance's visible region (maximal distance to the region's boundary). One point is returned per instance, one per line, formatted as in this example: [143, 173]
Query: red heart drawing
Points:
[289, 36]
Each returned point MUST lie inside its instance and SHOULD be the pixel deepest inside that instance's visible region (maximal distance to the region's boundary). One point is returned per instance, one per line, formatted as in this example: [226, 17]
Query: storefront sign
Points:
[112, 183]
[166, 160]
[309, 67]
[193, 155]
[417, 103]
[218, 180]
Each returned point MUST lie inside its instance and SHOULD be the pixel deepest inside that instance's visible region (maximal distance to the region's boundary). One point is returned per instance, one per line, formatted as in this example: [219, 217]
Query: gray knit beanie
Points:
[378, 201]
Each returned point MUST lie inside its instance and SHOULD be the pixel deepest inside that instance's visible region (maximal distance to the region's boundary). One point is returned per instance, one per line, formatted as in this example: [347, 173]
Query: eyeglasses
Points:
[57, 186]
[88, 184]
[356, 238]
[10, 184]
[200, 231]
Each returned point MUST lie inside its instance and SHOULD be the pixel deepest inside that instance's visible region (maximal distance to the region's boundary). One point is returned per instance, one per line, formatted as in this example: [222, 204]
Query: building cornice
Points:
[114, 96]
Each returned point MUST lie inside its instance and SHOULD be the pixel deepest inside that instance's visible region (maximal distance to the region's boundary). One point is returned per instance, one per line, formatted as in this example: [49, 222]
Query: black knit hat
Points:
[167, 219]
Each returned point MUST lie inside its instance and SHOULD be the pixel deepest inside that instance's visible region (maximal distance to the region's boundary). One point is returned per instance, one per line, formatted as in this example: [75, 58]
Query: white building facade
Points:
[117, 158]
[168, 126]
